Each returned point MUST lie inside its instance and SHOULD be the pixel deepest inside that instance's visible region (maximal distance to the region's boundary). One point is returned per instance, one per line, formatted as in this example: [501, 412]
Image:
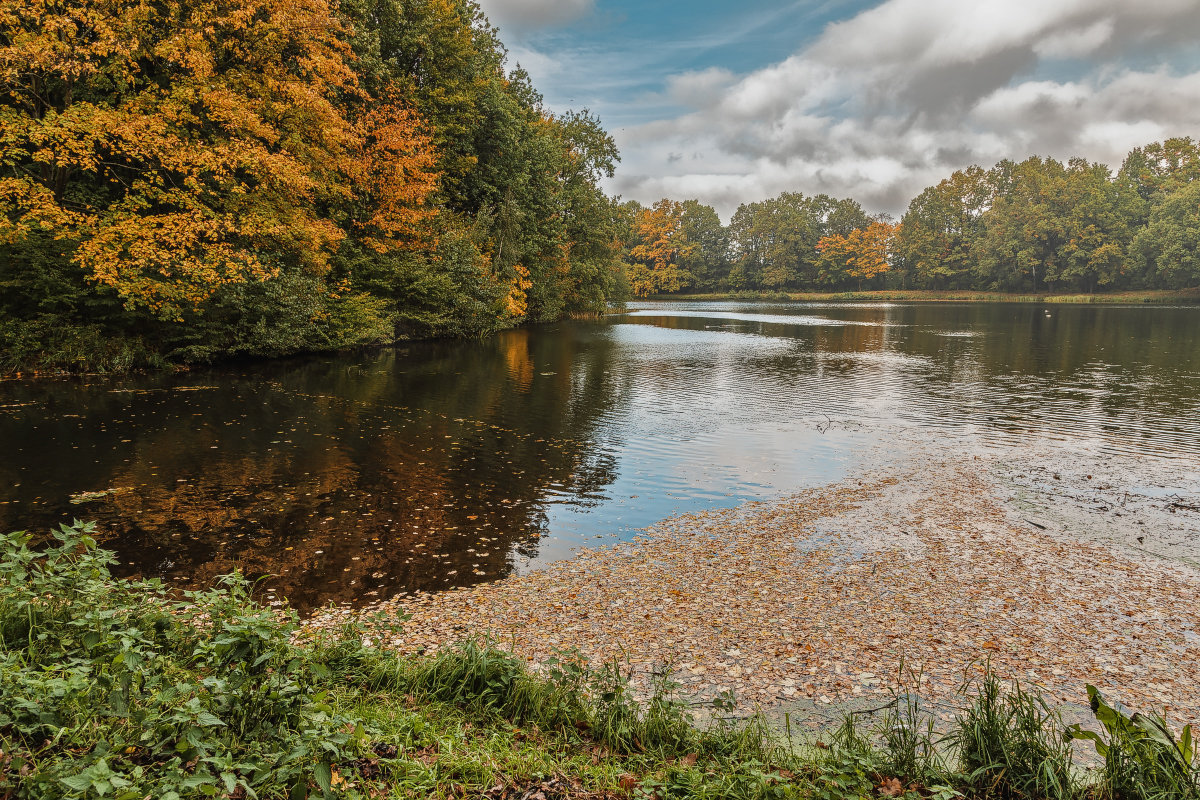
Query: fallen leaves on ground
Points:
[822, 595]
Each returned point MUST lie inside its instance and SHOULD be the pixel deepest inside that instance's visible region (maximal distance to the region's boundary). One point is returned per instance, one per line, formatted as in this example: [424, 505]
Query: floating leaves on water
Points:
[88, 497]
[821, 596]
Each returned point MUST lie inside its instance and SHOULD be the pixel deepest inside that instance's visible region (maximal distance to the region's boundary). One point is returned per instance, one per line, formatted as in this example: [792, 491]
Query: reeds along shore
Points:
[119, 689]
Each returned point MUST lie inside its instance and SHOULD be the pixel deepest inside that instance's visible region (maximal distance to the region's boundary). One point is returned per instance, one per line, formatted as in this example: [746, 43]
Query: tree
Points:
[939, 232]
[1168, 248]
[171, 151]
[1161, 167]
[1099, 217]
[708, 262]
[864, 254]
[659, 245]
[1023, 231]
[775, 242]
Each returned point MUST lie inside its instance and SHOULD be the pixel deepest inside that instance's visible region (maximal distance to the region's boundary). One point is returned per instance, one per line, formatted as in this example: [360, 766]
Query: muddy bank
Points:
[813, 601]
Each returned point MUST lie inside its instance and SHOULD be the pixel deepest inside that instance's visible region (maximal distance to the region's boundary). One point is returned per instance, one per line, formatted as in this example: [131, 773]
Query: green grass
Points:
[119, 689]
[1165, 297]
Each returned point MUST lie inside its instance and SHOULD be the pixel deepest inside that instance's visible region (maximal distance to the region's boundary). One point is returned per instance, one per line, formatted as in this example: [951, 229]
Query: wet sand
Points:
[814, 601]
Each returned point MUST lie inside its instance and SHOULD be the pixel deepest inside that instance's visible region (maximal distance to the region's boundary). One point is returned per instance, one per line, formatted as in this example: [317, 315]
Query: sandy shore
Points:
[816, 599]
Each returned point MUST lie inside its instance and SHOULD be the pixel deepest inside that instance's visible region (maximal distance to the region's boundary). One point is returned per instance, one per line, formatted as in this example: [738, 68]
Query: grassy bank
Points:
[118, 689]
[1175, 297]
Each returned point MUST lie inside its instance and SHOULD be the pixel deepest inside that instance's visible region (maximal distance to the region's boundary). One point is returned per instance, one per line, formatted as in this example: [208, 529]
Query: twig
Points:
[892, 704]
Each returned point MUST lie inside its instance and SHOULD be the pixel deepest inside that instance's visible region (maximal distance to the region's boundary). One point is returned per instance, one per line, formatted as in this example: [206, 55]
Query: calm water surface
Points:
[350, 479]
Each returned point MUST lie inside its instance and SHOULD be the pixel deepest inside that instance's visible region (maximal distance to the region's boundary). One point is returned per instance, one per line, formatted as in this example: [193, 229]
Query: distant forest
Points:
[191, 181]
[1034, 226]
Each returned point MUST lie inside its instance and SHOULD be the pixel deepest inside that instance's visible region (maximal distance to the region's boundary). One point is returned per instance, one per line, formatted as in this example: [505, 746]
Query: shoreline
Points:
[1156, 297]
[813, 602]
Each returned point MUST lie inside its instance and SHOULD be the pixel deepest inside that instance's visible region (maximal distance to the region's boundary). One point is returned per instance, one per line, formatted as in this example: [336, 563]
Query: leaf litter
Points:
[822, 596]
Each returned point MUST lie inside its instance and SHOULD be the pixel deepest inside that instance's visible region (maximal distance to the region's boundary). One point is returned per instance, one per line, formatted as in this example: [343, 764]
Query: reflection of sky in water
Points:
[447, 463]
[702, 428]
[778, 319]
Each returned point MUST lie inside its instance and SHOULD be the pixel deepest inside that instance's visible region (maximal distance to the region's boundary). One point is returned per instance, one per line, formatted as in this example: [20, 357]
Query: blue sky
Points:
[621, 53]
[735, 102]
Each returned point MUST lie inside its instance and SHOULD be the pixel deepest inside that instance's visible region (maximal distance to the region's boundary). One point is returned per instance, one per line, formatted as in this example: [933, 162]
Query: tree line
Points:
[183, 181]
[1034, 226]
[186, 181]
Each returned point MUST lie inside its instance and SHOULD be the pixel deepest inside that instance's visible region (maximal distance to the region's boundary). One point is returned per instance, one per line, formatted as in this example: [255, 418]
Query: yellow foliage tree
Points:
[660, 245]
[176, 147]
[863, 254]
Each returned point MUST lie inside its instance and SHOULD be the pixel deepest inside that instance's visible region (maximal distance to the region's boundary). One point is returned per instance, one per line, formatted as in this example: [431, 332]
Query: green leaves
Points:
[109, 688]
[1142, 757]
[97, 778]
[323, 776]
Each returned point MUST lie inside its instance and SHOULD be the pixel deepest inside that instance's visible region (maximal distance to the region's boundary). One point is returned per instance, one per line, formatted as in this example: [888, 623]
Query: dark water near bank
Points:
[444, 464]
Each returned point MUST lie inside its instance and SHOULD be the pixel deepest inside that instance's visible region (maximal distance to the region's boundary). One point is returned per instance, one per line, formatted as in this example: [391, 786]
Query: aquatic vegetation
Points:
[1142, 758]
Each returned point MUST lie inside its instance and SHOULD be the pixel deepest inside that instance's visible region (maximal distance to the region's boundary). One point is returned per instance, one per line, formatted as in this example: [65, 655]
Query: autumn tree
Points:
[170, 151]
[659, 244]
[860, 256]
[536, 238]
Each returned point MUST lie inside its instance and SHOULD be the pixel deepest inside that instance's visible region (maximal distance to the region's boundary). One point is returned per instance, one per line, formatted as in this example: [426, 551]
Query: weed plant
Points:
[114, 689]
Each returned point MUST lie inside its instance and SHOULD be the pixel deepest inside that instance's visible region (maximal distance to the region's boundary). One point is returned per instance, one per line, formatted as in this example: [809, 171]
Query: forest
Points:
[1034, 226]
[186, 182]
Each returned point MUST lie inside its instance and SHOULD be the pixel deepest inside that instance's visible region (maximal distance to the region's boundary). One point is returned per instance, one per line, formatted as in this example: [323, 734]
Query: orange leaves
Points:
[393, 170]
[516, 301]
[181, 147]
[864, 254]
[660, 245]
[659, 232]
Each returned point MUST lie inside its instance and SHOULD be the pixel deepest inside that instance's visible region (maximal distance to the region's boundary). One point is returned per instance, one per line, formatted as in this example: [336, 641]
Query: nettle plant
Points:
[117, 689]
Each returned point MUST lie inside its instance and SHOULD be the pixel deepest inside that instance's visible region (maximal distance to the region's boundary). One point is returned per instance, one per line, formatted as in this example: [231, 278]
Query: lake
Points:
[351, 478]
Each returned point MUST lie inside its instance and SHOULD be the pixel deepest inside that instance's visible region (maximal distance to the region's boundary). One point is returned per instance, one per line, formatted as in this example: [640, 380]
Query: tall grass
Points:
[1011, 747]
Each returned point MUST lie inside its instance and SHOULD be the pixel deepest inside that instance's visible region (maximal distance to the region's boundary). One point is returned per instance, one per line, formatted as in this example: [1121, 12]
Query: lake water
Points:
[352, 478]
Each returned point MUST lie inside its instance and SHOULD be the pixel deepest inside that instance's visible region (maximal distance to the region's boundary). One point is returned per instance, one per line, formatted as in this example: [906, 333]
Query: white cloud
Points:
[893, 99]
[1076, 42]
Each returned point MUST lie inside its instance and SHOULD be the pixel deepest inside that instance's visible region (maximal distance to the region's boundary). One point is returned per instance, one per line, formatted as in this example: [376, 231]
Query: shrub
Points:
[112, 688]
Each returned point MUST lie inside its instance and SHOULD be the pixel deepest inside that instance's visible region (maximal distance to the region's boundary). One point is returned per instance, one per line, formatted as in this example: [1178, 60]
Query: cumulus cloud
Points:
[891, 100]
[523, 15]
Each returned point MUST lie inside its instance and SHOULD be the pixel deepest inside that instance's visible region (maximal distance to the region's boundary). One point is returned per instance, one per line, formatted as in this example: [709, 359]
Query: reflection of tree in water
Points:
[433, 466]
[421, 468]
[1016, 367]
[1057, 365]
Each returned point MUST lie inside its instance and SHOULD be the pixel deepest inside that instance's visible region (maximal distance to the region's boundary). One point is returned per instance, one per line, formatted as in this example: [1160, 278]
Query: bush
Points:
[52, 344]
[110, 688]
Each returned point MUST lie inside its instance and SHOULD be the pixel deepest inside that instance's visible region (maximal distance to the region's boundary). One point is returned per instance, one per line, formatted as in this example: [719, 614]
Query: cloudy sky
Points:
[732, 102]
